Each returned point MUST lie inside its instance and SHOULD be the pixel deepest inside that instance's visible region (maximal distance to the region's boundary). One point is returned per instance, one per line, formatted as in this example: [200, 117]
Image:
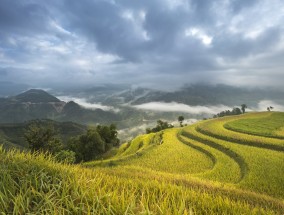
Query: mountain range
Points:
[197, 94]
[38, 104]
[121, 104]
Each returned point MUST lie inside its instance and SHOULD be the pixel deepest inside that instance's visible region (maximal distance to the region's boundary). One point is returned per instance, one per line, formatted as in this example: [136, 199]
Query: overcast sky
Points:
[163, 43]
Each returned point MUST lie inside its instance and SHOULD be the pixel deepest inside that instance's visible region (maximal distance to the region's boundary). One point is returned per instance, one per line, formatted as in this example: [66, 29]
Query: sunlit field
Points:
[204, 168]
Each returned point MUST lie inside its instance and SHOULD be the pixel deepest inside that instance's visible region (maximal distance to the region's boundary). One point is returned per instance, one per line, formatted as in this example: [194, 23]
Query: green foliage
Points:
[108, 134]
[243, 107]
[14, 134]
[235, 111]
[87, 146]
[94, 143]
[181, 119]
[161, 125]
[42, 138]
[66, 156]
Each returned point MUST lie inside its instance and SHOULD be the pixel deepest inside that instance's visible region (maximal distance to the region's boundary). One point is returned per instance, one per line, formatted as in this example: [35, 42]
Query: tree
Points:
[236, 111]
[243, 107]
[66, 156]
[181, 119]
[87, 146]
[42, 138]
[94, 142]
[108, 134]
[161, 125]
[148, 130]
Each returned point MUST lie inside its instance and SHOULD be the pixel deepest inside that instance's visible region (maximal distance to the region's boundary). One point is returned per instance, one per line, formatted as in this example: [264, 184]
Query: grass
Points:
[227, 169]
[215, 128]
[268, 126]
[199, 169]
[169, 155]
[33, 184]
[261, 168]
[172, 156]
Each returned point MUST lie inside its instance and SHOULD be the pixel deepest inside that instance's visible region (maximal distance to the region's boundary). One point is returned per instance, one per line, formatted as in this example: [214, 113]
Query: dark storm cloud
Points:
[150, 42]
[236, 46]
[19, 17]
[111, 32]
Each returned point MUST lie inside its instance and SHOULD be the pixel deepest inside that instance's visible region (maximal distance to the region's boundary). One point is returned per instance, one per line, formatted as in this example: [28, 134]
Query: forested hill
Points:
[38, 104]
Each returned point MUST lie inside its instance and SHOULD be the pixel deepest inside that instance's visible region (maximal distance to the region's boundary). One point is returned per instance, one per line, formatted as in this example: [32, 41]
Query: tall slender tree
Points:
[243, 107]
[181, 119]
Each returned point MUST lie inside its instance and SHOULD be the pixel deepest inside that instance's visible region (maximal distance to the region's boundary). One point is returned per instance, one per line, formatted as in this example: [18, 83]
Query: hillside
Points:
[199, 169]
[195, 94]
[35, 96]
[38, 104]
[12, 135]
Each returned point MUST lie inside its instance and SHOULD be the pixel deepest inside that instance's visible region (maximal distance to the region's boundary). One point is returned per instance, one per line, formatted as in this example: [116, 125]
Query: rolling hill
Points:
[204, 168]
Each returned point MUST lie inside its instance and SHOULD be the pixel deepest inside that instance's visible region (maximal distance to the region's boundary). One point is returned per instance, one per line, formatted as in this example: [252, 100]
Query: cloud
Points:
[84, 103]
[147, 43]
[3, 72]
[262, 106]
[179, 107]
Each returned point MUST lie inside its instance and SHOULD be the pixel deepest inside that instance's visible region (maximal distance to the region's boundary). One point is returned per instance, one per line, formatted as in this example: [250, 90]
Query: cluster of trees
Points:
[270, 108]
[95, 142]
[161, 125]
[45, 138]
[84, 147]
[234, 111]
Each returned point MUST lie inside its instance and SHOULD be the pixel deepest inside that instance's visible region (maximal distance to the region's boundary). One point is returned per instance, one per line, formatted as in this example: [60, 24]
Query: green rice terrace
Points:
[228, 165]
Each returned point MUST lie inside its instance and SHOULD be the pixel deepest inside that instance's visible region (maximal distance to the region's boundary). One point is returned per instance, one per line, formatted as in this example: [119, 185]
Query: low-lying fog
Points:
[197, 112]
[173, 106]
[84, 103]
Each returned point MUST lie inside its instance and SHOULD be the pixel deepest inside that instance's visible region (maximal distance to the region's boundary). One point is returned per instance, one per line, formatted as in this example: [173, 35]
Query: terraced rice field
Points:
[161, 152]
[261, 169]
[217, 128]
[269, 125]
[233, 156]
[204, 168]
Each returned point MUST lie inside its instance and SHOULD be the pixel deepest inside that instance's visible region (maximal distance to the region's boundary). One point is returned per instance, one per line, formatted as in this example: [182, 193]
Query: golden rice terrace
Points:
[230, 165]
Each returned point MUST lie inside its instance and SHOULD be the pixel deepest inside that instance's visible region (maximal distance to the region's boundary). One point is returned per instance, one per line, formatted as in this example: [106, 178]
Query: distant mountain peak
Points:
[36, 96]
